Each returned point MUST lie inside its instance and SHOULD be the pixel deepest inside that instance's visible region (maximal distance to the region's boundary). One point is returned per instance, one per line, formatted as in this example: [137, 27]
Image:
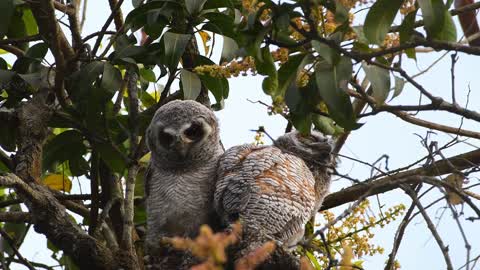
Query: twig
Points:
[452, 73]
[118, 17]
[13, 246]
[430, 226]
[92, 35]
[20, 40]
[105, 27]
[468, 247]
[12, 49]
[399, 236]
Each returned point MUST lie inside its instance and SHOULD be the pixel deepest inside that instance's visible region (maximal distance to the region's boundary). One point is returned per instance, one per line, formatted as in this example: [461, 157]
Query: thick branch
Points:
[50, 218]
[387, 183]
[15, 217]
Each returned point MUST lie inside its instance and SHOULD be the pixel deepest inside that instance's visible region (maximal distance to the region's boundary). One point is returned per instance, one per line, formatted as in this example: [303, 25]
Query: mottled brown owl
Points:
[274, 190]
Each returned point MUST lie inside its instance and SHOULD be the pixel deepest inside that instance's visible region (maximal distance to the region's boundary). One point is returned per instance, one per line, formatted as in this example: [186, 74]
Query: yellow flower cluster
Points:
[259, 138]
[281, 55]
[278, 106]
[391, 40]
[355, 230]
[228, 70]
[302, 78]
[251, 6]
[301, 25]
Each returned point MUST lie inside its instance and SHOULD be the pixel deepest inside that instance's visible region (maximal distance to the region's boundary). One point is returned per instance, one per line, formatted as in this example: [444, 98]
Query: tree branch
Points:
[387, 183]
[430, 226]
[13, 246]
[15, 217]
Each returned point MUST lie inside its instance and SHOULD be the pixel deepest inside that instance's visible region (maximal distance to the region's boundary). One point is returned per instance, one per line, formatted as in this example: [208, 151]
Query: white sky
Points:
[382, 134]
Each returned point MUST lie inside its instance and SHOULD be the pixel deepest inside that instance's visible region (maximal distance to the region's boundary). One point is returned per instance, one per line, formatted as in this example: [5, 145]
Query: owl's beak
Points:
[181, 146]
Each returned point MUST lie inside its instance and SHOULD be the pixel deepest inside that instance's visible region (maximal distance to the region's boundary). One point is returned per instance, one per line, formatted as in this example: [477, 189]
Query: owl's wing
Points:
[272, 192]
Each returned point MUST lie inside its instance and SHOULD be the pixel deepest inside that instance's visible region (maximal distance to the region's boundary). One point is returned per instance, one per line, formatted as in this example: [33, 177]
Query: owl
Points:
[183, 138]
[273, 190]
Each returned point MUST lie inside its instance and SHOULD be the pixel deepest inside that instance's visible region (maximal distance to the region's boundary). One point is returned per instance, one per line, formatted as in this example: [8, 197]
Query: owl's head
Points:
[313, 148]
[183, 132]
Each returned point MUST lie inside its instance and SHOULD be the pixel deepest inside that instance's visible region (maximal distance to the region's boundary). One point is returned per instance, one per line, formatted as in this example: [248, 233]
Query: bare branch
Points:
[430, 226]
[13, 246]
[387, 183]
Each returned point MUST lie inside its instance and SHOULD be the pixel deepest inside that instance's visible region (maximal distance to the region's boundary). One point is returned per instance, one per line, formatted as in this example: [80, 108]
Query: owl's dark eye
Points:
[165, 138]
[194, 132]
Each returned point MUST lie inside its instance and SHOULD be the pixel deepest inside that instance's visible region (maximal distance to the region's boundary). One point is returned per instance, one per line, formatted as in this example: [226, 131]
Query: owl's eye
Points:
[165, 138]
[194, 132]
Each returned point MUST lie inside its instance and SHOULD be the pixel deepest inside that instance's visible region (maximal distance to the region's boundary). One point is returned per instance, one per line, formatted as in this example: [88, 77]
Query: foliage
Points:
[75, 105]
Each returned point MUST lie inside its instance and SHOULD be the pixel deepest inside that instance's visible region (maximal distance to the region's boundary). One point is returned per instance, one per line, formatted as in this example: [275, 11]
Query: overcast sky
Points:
[382, 134]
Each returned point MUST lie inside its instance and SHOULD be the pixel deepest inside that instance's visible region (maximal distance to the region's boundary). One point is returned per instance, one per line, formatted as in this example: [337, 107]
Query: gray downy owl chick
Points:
[183, 138]
[273, 190]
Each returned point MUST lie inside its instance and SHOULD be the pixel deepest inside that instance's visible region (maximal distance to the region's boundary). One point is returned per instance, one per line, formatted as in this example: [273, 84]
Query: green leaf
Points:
[406, 31]
[31, 26]
[229, 50]
[194, 6]
[314, 260]
[380, 81]
[7, 7]
[211, 4]
[379, 19]
[221, 24]
[218, 86]
[399, 84]
[331, 82]
[265, 64]
[438, 21]
[137, 18]
[89, 73]
[327, 53]
[6, 76]
[148, 75]
[449, 31]
[147, 99]
[130, 51]
[191, 84]
[3, 64]
[78, 166]
[302, 122]
[111, 78]
[111, 156]
[287, 73]
[37, 51]
[341, 12]
[175, 45]
[56, 149]
[326, 125]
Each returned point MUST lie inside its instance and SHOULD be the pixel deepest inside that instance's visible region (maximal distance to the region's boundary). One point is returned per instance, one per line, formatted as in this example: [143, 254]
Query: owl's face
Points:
[312, 147]
[182, 132]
